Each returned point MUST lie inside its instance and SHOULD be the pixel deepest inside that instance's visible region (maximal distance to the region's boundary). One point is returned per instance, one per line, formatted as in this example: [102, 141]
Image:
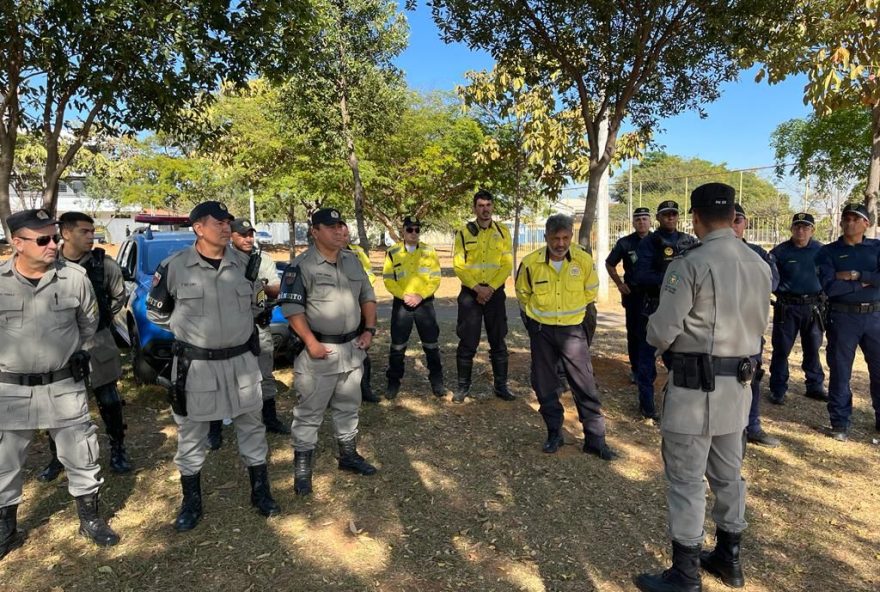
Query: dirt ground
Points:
[464, 499]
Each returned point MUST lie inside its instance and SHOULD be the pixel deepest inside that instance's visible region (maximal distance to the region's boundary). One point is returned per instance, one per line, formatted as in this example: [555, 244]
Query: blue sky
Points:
[736, 131]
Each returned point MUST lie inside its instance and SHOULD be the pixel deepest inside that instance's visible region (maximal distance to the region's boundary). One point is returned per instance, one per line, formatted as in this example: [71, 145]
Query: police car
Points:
[139, 257]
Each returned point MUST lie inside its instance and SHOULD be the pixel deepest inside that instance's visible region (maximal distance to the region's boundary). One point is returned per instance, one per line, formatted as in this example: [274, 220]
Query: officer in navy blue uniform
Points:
[654, 255]
[849, 270]
[630, 296]
[798, 310]
[754, 432]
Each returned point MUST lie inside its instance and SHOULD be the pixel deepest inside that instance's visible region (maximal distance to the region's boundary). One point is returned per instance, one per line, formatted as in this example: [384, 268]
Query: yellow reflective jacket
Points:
[482, 256]
[556, 298]
[365, 261]
[411, 273]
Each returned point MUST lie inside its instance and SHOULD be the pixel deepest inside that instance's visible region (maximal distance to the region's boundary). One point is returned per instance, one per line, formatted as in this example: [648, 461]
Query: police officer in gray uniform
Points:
[78, 232]
[204, 296]
[47, 313]
[325, 293]
[713, 310]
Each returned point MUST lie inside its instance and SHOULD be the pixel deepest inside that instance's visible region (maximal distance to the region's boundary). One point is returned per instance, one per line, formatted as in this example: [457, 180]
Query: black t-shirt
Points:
[215, 263]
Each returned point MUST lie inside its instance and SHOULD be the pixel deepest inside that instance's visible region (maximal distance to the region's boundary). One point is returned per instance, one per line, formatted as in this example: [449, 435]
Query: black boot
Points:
[215, 435]
[499, 377]
[302, 471]
[270, 418]
[261, 494]
[683, 576]
[367, 393]
[112, 415]
[91, 525]
[191, 508]
[54, 468]
[10, 537]
[554, 441]
[350, 460]
[465, 368]
[435, 369]
[723, 562]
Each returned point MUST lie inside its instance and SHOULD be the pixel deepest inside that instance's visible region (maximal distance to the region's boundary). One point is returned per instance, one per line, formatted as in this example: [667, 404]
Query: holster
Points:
[820, 314]
[693, 372]
[177, 387]
[254, 343]
[80, 368]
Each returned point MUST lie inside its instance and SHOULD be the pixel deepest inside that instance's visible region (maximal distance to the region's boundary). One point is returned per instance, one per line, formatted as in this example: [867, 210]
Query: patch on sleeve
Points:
[671, 283]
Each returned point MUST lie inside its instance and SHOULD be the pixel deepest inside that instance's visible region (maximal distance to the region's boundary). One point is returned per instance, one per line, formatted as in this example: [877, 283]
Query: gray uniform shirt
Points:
[714, 299]
[40, 328]
[330, 295]
[213, 309]
[105, 362]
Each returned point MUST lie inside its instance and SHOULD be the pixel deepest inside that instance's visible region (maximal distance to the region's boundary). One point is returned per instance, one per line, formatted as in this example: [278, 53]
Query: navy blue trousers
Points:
[846, 332]
[789, 321]
[633, 304]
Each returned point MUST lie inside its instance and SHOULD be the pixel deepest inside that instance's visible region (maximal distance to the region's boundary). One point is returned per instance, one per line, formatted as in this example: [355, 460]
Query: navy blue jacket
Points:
[769, 259]
[797, 267]
[655, 253]
[625, 249]
[863, 257]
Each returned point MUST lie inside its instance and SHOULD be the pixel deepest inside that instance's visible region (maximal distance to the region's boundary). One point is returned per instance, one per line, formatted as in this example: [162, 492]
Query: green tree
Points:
[611, 61]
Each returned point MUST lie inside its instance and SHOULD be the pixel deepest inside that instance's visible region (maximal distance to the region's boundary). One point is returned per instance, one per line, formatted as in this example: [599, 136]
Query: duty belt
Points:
[35, 379]
[720, 366]
[786, 298]
[344, 338]
[856, 307]
[200, 353]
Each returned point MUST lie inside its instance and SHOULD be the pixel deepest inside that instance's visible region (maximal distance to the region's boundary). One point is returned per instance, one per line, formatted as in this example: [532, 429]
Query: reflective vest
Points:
[557, 297]
[411, 273]
[482, 256]
[365, 261]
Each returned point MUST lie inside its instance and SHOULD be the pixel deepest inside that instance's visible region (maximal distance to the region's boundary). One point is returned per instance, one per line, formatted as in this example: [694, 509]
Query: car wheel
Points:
[142, 371]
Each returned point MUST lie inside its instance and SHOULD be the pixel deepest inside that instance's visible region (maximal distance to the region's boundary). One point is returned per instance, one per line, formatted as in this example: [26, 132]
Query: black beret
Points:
[856, 208]
[712, 195]
[641, 212]
[411, 221]
[32, 219]
[803, 218]
[215, 209]
[327, 217]
[241, 226]
[667, 206]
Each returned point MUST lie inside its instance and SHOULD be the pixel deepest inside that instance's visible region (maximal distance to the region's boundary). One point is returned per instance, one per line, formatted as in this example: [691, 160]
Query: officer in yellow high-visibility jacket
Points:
[366, 387]
[482, 260]
[554, 285]
[412, 275]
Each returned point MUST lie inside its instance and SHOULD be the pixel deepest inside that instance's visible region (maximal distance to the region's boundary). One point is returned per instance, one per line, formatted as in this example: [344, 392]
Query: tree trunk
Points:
[872, 190]
[7, 155]
[597, 169]
[291, 224]
[355, 172]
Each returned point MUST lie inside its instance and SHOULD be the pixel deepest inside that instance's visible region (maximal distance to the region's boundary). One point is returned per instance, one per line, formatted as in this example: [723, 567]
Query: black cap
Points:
[668, 206]
[241, 226]
[32, 219]
[641, 212]
[412, 221]
[215, 209]
[712, 195]
[327, 217]
[803, 218]
[739, 210]
[856, 208]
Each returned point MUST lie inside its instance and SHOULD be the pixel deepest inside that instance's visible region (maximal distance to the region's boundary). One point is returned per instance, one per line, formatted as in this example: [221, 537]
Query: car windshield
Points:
[157, 251]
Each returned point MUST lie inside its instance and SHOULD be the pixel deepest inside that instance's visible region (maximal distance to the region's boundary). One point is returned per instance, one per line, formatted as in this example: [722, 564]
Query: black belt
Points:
[856, 307]
[200, 353]
[786, 298]
[344, 338]
[35, 379]
[721, 366]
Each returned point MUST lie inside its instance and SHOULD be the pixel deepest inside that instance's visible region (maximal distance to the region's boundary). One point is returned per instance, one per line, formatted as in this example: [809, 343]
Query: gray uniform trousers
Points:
[192, 440]
[266, 361]
[687, 458]
[77, 451]
[340, 391]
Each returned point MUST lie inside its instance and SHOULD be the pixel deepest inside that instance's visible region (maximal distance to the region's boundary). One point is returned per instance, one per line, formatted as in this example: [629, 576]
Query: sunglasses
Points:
[413, 229]
[42, 241]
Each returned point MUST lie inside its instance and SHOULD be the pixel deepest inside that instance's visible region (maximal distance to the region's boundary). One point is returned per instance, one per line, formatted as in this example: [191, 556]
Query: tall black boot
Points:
[350, 460]
[396, 367]
[465, 368]
[367, 393]
[191, 508]
[723, 562]
[112, 415]
[215, 435]
[270, 418]
[499, 377]
[302, 471]
[91, 525]
[683, 576]
[10, 537]
[54, 468]
[435, 370]
[261, 494]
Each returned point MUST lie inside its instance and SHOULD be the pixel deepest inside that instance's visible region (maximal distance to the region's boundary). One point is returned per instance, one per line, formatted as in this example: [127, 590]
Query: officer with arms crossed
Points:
[553, 286]
[325, 294]
[366, 382]
[799, 309]
[631, 296]
[203, 295]
[482, 259]
[78, 232]
[713, 310]
[412, 275]
[849, 270]
[654, 255]
[47, 313]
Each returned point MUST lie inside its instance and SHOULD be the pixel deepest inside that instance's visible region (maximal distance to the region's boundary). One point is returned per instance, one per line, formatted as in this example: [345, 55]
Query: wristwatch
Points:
[854, 275]
[371, 330]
